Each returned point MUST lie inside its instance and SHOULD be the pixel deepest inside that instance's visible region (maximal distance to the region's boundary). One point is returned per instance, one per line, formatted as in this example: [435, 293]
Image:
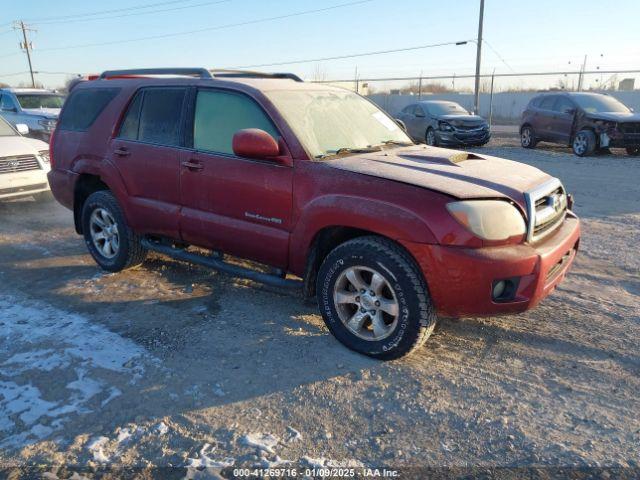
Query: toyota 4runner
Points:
[312, 181]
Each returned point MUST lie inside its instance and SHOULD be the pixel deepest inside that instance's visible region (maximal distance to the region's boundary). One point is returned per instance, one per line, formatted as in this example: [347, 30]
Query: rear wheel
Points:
[633, 151]
[528, 137]
[374, 299]
[584, 143]
[111, 242]
[430, 137]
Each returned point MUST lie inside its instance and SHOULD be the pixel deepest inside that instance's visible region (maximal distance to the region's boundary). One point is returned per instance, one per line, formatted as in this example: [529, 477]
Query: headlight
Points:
[445, 127]
[44, 155]
[489, 219]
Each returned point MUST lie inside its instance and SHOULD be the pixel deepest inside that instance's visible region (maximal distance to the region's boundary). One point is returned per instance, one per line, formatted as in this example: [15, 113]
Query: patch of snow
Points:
[276, 462]
[294, 434]
[162, 428]
[261, 441]
[205, 460]
[41, 341]
[96, 447]
[324, 462]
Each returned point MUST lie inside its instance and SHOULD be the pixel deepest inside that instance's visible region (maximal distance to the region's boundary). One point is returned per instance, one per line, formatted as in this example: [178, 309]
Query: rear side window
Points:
[83, 107]
[154, 116]
[219, 115]
[547, 102]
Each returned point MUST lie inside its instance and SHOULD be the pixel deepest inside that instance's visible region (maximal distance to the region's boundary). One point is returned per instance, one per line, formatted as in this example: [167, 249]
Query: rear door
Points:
[562, 121]
[238, 205]
[544, 118]
[146, 152]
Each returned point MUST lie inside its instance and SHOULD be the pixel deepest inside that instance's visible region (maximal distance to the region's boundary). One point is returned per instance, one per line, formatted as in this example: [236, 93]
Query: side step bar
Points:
[222, 266]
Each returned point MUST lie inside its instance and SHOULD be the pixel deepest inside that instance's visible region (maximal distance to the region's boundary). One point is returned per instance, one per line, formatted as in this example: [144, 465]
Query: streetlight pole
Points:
[476, 101]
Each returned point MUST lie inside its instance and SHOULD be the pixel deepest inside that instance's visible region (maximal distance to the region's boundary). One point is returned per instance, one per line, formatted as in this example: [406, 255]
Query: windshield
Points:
[40, 101]
[446, 108]
[5, 129]
[326, 121]
[600, 104]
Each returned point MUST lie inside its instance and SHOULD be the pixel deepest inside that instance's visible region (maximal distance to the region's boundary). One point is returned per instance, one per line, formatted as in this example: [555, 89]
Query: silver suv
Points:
[36, 108]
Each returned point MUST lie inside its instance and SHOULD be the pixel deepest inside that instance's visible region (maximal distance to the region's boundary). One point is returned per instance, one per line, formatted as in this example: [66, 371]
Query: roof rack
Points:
[190, 72]
[197, 72]
[217, 73]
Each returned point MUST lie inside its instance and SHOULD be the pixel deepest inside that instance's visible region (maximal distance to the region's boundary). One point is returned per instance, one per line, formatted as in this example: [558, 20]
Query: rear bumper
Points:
[62, 183]
[463, 138]
[461, 279]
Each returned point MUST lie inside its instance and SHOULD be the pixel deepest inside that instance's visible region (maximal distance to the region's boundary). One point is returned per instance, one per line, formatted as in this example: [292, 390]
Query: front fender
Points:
[375, 216]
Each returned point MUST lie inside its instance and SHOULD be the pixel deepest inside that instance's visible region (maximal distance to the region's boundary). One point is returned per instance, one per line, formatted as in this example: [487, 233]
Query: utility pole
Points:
[27, 46]
[476, 102]
[581, 76]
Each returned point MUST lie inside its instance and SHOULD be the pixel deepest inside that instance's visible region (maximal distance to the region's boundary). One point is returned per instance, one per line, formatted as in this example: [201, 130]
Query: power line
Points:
[208, 29]
[103, 12]
[497, 54]
[122, 15]
[364, 54]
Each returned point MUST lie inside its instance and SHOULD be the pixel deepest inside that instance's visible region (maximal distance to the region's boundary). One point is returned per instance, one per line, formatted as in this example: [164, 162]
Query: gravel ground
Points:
[171, 365]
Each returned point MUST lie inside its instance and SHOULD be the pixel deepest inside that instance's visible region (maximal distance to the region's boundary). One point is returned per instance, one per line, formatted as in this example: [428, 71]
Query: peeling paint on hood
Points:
[459, 174]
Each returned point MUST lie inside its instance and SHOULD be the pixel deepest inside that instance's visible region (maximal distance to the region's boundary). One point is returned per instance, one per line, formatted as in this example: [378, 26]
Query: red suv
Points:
[314, 181]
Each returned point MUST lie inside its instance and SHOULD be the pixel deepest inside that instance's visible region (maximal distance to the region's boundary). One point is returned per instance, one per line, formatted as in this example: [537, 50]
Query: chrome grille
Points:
[20, 163]
[546, 209]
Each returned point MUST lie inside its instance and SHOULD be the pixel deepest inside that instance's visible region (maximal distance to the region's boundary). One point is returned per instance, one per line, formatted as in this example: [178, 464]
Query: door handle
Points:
[193, 165]
[122, 152]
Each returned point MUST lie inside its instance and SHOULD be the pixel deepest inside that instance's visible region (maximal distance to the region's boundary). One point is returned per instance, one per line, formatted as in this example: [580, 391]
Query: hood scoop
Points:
[449, 159]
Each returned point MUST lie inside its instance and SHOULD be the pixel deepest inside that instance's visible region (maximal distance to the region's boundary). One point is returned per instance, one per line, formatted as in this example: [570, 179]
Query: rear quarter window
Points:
[83, 107]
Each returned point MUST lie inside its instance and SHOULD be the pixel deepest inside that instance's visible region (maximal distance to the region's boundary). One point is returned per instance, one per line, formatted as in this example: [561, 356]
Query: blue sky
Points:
[528, 35]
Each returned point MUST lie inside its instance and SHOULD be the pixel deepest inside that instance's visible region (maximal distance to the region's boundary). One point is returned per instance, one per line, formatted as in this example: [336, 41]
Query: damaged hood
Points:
[615, 116]
[459, 174]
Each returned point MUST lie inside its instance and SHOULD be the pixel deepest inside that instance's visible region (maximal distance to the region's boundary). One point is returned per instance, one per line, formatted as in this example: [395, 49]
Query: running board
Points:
[222, 266]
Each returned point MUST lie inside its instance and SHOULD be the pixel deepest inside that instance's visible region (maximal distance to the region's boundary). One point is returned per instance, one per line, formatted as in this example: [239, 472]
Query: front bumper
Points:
[22, 184]
[461, 137]
[460, 280]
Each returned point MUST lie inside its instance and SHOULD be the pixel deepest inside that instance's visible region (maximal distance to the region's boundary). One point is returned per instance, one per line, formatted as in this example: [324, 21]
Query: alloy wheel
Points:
[366, 303]
[580, 144]
[104, 232]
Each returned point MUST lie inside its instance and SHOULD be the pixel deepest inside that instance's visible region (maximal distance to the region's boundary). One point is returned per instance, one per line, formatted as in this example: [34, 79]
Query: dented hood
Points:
[459, 174]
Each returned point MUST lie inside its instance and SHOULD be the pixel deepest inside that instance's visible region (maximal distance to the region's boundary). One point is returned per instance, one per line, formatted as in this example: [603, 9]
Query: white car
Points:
[24, 164]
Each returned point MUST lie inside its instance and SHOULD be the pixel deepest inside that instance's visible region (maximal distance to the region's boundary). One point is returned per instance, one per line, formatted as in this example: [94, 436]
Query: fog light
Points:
[498, 289]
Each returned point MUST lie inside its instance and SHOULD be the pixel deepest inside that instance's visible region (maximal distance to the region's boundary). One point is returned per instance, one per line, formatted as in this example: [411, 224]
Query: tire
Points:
[633, 151]
[392, 332]
[528, 137]
[101, 213]
[430, 137]
[584, 143]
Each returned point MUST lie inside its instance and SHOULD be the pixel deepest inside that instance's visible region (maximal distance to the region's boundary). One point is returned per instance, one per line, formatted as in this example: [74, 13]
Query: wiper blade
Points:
[396, 142]
[343, 150]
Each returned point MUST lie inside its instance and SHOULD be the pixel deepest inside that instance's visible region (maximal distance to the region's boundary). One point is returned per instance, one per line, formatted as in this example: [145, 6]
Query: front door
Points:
[238, 205]
[146, 152]
[562, 122]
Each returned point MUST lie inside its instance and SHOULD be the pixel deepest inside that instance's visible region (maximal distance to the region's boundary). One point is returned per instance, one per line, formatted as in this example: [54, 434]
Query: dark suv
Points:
[586, 121]
[313, 181]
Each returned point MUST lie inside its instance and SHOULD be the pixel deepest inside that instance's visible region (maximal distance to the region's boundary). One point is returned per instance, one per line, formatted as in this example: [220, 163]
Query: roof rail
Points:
[217, 73]
[191, 72]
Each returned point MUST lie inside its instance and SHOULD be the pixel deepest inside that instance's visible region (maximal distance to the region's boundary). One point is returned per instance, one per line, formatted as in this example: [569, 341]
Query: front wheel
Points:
[111, 242]
[584, 143]
[528, 137]
[430, 138]
[373, 298]
[633, 151]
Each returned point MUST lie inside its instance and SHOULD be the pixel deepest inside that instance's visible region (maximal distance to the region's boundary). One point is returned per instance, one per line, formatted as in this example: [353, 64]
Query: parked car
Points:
[314, 181]
[36, 108]
[24, 164]
[585, 121]
[437, 122]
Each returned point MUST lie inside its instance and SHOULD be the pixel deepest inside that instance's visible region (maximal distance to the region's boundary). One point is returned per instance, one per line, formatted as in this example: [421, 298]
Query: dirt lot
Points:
[173, 365]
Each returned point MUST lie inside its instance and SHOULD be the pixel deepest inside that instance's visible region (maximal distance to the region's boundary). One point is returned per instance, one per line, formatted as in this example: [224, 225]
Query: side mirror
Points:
[22, 128]
[255, 143]
[570, 111]
[10, 109]
[420, 115]
[401, 124]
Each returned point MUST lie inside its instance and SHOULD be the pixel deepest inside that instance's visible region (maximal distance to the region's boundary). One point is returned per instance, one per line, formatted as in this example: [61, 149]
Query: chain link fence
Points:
[503, 96]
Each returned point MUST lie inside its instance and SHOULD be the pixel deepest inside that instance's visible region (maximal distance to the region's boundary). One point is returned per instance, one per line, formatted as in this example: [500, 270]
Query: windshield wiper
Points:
[343, 150]
[396, 142]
